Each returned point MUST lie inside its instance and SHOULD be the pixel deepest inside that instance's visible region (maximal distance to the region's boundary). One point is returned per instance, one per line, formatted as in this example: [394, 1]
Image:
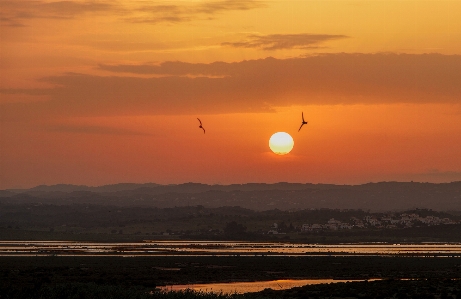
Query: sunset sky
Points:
[102, 92]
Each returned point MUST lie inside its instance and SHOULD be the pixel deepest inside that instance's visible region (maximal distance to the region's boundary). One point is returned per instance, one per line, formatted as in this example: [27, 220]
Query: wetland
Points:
[42, 273]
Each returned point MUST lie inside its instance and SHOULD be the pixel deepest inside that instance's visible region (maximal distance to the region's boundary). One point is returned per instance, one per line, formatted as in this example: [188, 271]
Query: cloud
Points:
[248, 86]
[218, 6]
[284, 41]
[9, 21]
[185, 13]
[71, 8]
[269, 42]
[13, 13]
[178, 68]
[160, 14]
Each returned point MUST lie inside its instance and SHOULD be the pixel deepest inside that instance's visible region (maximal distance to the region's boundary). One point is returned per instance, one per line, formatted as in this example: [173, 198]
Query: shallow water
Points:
[245, 287]
[193, 248]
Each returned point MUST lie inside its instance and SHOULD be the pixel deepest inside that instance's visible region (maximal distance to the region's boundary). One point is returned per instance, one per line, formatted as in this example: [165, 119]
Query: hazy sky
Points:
[101, 92]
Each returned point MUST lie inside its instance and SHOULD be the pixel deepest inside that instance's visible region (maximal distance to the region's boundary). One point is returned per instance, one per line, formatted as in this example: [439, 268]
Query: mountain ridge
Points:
[381, 196]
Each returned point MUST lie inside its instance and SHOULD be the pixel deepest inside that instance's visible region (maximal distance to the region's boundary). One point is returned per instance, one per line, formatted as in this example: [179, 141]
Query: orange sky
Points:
[102, 92]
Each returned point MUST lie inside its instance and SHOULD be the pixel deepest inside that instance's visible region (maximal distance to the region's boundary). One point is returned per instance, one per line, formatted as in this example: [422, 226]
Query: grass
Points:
[96, 291]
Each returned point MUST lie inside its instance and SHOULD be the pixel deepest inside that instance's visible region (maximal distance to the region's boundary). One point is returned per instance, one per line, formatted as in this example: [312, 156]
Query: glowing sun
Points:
[281, 143]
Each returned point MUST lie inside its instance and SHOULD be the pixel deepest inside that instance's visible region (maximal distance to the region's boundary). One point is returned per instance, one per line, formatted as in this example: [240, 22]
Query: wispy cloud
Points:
[14, 13]
[212, 7]
[17, 12]
[250, 86]
[176, 68]
[284, 41]
[71, 8]
[185, 13]
[9, 21]
[160, 14]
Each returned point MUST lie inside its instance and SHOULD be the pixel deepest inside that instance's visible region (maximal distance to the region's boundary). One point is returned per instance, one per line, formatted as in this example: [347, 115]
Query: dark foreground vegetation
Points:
[138, 277]
[385, 289]
[95, 291]
[155, 271]
[389, 288]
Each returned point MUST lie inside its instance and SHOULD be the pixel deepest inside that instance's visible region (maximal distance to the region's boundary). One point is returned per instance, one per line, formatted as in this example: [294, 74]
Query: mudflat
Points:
[167, 270]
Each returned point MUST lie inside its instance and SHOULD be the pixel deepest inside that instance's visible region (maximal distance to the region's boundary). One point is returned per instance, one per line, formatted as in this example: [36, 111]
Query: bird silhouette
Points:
[201, 127]
[303, 123]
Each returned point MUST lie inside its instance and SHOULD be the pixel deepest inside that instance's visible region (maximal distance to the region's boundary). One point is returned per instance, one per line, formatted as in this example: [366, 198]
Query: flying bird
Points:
[303, 123]
[201, 127]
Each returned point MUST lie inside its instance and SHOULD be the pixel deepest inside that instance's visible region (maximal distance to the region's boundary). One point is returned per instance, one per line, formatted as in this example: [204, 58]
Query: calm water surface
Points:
[245, 287]
[192, 248]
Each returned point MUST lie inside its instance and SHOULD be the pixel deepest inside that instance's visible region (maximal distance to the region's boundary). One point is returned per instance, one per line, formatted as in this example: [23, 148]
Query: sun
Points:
[281, 143]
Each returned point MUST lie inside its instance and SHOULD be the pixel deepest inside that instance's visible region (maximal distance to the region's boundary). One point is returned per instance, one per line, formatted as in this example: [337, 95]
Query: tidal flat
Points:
[146, 274]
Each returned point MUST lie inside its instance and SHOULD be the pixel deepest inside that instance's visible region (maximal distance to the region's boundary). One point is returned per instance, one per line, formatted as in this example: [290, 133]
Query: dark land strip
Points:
[36, 273]
[153, 271]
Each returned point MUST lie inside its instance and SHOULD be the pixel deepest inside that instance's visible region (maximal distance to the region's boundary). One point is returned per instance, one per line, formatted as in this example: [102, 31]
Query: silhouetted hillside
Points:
[71, 188]
[32, 221]
[384, 196]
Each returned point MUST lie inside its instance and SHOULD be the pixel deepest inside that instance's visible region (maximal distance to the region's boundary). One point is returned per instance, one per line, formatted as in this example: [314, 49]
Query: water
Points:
[245, 287]
[206, 248]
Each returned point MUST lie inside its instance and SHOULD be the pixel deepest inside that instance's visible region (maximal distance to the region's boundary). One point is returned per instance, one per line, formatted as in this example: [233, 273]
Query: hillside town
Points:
[385, 222]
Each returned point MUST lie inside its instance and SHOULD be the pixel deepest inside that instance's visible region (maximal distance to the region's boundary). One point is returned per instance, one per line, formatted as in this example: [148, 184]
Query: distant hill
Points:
[72, 188]
[383, 196]
[6, 193]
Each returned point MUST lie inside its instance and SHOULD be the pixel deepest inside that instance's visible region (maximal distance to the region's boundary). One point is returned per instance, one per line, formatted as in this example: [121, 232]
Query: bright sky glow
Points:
[101, 92]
